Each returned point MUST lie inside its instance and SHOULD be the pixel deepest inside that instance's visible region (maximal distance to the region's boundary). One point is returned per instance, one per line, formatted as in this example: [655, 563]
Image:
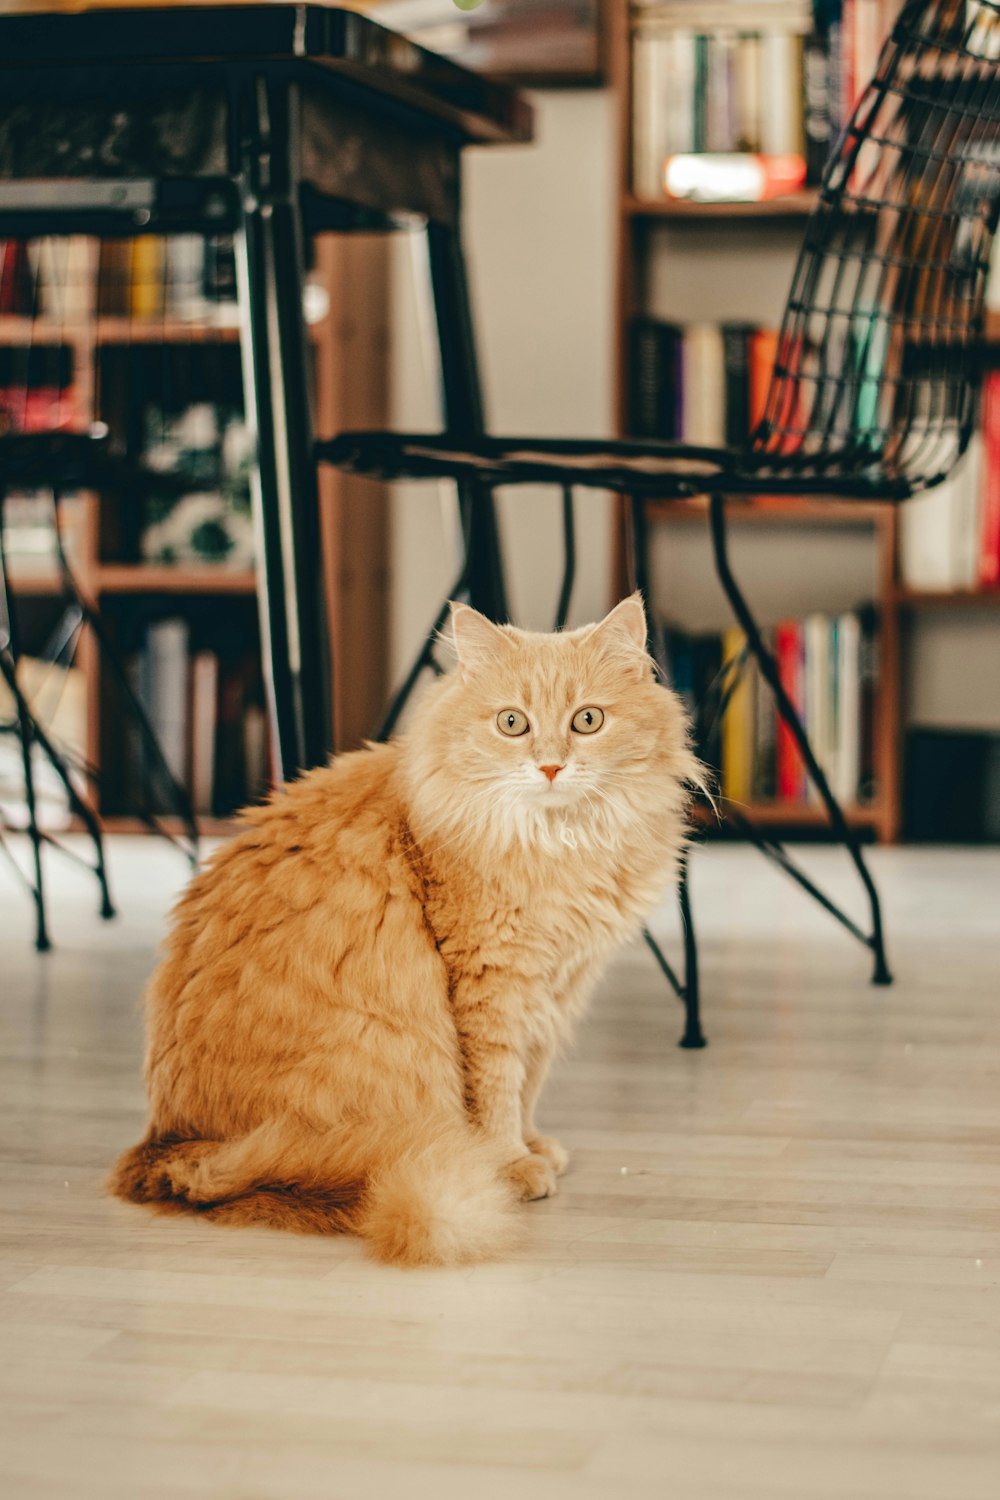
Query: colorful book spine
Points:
[989, 527]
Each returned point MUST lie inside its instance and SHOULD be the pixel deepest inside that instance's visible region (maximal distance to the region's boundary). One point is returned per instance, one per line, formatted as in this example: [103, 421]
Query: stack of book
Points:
[949, 537]
[701, 383]
[776, 78]
[51, 278]
[190, 278]
[206, 709]
[829, 667]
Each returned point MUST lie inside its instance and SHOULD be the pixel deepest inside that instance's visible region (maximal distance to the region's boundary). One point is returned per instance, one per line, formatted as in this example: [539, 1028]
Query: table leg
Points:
[463, 413]
[294, 630]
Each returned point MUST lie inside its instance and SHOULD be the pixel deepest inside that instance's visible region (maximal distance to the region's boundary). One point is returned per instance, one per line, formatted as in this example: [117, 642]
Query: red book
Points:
[789, 768]
[989, 532]
[15, 278]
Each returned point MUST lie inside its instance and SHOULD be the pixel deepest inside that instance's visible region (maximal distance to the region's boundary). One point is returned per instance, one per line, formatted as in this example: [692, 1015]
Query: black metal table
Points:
[275, 122]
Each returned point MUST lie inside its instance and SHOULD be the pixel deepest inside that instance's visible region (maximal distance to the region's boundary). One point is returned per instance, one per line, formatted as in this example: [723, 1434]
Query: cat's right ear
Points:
[477, 640]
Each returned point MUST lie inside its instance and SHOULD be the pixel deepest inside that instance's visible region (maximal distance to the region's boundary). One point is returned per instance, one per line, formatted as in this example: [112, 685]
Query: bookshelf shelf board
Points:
[123, 330]
[17, 330]
[774, 508]
[681, 210]
[157, 578]
[790, 815]
[34, 583]
[914, 598]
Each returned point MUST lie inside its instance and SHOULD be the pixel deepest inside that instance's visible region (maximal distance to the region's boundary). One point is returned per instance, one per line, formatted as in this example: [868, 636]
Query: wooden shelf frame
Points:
[634, 219]
[350, 345]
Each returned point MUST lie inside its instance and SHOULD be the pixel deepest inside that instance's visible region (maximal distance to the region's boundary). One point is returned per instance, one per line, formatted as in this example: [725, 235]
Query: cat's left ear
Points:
[477, 640]
[623, 632]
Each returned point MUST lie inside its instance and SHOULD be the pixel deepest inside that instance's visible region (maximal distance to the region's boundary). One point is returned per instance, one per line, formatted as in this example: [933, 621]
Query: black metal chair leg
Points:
[423, 660]
[689, 991]
[686, 990]
[569, 558]
[769, 671]
[78, 806]
[179, 797]
[25, 727]
[463, 414]
[693, 1036]
[276, 362]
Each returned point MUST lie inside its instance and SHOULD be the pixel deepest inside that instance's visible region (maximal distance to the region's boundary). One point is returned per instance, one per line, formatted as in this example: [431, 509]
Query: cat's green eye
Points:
[588, 720]
[513, 722]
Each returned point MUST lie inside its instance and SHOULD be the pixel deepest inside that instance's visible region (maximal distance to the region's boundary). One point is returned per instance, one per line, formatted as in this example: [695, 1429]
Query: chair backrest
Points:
[877, 375]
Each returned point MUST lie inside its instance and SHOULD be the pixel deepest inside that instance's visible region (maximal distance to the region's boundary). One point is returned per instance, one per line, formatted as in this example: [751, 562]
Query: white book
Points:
[204, 717]
[255, 752]
[184, 271]
[848, 710]
[966, 517]
[677, 86]
[746, 103]
[939, 530]
[704, 384]
[167, 653]
[781, 94]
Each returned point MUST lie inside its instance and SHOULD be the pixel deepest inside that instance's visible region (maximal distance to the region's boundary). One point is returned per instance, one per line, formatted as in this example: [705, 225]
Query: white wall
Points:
[539, 226]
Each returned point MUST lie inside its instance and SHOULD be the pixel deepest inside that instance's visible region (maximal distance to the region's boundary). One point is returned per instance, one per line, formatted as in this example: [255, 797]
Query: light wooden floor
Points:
[772, 1273]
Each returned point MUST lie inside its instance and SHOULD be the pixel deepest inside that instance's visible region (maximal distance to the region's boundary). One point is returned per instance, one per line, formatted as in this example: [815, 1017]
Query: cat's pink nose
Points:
[550, 771]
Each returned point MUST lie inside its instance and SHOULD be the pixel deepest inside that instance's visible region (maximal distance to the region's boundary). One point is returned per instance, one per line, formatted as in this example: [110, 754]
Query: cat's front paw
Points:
[551, 1150]
[531, 1177]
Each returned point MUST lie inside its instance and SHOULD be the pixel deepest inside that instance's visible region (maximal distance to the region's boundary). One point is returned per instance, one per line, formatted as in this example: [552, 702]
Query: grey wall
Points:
[539, 228]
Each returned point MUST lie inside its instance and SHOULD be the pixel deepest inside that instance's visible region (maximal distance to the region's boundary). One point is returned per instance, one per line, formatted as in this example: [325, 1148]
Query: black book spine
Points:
[645, 378]
[653, 377]
[736, 353]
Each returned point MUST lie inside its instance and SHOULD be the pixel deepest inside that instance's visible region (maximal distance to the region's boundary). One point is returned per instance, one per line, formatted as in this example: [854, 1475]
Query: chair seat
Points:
[664, 469]
[649, 468]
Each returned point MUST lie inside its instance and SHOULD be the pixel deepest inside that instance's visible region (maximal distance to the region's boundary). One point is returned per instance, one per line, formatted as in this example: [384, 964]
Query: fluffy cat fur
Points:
[362, 992]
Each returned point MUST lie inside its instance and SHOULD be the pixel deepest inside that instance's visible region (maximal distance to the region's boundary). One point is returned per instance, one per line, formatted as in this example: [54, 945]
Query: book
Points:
[943, 543]
[204, 714]
[184, 274]
[655, 384]
[763, 353]
[736, 339]
[146, 272]
[781, 129]
[790, 775]
[989, 490]
[817, 679]
[703, 376]
[165, 691]
[765, 723]
[847, 782]
[66, 278]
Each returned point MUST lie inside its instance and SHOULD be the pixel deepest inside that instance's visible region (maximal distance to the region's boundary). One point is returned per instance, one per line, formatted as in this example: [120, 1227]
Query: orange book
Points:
[763, 353]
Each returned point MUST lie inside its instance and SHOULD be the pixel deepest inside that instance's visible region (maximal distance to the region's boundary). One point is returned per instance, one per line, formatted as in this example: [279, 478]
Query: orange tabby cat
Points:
[363, 992]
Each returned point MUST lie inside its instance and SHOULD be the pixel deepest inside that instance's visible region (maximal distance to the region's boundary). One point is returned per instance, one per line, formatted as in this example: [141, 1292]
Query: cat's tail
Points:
[440, 1200]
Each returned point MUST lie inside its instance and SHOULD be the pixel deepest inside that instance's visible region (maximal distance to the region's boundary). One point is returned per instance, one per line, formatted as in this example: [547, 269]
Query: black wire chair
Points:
[60, 463]
[875, 389]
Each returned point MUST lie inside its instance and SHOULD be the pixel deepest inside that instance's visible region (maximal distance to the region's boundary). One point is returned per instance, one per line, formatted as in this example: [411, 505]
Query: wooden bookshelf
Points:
[637, 221]
[158, 578]
[350, 383]
[907, 598]
[789, 206]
